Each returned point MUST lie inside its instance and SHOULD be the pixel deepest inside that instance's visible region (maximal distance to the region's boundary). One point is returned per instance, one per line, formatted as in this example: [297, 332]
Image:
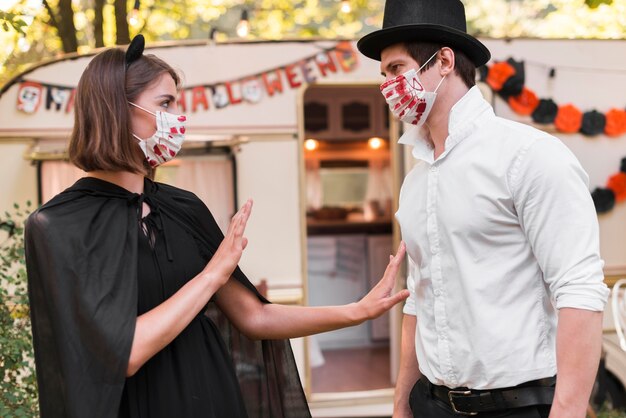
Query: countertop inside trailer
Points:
[350, 225]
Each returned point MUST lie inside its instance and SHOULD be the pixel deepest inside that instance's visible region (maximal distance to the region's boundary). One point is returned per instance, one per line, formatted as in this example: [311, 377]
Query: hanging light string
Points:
[243, 27]
[507, 80]
[574, 68]
[346, 7]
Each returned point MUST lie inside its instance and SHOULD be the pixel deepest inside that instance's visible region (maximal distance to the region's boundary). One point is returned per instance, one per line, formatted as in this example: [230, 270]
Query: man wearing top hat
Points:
[501, 234]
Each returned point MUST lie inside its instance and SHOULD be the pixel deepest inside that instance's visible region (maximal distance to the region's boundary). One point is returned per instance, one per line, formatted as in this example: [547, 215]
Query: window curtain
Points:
[313, 185]
[211, 179]
[57, 176]
[379, 188]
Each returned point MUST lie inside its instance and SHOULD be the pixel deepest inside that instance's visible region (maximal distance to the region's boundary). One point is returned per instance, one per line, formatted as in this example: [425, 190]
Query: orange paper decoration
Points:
[615, 122]
[498, 74]
[617, 183]
[568, 119]
[524, 103]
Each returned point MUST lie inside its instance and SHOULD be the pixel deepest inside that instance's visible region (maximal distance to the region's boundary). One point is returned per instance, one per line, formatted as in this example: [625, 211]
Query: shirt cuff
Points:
[409, 306]
[591, 297]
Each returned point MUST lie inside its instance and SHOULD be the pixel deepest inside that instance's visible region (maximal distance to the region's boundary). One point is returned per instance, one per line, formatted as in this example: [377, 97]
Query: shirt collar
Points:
[464, 119]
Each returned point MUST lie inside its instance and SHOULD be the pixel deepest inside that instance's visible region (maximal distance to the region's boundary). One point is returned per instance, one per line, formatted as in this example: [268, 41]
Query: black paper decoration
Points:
[483, 70]
[514, 84]
[622, 166]
[603, 199]
[135, 49]
[545, 112]
[593, 123]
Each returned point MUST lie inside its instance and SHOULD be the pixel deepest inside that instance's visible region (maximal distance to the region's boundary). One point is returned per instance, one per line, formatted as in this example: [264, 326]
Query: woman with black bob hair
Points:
[137, 304]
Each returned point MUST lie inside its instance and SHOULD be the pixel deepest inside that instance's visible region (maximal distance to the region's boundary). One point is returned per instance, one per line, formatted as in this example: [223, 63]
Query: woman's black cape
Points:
[81, 254]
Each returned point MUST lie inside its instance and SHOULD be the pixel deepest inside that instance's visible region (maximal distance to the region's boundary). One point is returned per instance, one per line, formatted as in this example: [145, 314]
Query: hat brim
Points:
[372, 44]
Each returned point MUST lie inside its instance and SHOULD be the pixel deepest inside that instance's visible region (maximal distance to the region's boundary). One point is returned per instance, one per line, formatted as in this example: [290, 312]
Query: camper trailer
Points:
[301, 128]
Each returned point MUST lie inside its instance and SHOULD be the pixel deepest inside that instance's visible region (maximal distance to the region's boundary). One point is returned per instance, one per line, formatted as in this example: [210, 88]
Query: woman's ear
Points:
[446, 56]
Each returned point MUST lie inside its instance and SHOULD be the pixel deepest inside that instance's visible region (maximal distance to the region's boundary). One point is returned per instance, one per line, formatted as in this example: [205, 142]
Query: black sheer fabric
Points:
[83, 252]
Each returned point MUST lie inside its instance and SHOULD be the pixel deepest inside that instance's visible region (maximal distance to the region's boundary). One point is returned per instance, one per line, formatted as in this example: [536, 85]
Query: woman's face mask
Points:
[165, 143]
[407, 98]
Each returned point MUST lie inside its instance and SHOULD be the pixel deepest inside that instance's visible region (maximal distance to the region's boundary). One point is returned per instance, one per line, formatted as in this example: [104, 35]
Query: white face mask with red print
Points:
[165, 143]
[407, 98]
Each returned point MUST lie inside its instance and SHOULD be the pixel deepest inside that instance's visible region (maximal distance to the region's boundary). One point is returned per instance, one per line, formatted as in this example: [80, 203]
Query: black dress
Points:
[91, 271]
[194, 375]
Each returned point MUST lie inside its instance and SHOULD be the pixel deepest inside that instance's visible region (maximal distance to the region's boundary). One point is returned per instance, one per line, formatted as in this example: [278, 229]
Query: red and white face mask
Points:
[165, 143]
[407, 98]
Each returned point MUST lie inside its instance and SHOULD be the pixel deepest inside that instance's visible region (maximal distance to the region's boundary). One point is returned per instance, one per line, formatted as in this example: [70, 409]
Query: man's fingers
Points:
[400, 296]
[400, 253]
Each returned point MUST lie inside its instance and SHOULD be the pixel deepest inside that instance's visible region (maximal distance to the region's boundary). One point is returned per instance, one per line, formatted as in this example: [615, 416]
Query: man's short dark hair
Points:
[463, 66]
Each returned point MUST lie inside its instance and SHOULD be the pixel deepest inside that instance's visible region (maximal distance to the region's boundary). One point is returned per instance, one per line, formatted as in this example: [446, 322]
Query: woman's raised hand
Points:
[380, 299]
[229, 252]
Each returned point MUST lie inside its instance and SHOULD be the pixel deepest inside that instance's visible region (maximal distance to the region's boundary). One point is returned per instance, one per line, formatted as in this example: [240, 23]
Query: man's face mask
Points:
[165, 143]
[407, 98]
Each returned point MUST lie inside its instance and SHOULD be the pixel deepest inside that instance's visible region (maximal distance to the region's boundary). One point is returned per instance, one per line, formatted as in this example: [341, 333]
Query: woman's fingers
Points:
[239, 221]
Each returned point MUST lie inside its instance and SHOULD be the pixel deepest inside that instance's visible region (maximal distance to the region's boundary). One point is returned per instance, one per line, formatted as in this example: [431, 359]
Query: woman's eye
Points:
[165, 104]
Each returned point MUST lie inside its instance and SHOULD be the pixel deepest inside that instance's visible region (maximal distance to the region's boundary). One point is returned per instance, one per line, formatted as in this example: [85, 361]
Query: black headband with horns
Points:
[135, 49]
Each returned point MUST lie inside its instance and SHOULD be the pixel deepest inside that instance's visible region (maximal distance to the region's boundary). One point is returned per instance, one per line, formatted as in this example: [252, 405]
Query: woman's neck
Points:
[133, 182]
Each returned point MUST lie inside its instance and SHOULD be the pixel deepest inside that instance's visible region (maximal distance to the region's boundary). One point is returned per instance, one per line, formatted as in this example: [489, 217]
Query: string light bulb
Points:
[133, 15]
[243, 27]
[375, 143]
[345, 6]
[311, 144]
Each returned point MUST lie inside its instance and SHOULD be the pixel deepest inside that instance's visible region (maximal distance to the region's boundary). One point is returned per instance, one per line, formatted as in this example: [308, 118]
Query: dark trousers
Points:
[424, 405]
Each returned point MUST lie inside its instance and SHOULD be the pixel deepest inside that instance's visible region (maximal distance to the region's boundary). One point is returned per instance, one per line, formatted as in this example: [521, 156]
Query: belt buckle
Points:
[453, 393]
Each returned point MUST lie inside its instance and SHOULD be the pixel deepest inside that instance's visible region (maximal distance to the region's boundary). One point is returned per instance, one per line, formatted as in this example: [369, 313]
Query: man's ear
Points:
[447, 58]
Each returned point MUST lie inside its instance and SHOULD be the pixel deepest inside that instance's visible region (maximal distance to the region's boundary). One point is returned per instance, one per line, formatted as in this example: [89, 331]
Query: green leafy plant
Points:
[18, 383]
[13, 21]
[606, 412]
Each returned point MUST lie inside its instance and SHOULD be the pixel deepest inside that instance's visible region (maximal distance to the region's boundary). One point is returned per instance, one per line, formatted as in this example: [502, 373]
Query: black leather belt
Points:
[470, 402]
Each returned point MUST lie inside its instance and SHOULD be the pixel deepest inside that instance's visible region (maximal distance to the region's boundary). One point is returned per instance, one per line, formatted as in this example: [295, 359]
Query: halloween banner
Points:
[251, 88]
[507, 79]
[604, 198]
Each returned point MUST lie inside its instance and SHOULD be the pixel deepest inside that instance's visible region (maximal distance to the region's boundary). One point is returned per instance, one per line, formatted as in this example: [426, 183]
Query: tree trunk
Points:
[64, 24]
[98, 21]
[121, 24]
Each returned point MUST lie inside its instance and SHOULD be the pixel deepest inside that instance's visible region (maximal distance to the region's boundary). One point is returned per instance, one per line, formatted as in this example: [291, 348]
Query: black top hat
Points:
[439, 21]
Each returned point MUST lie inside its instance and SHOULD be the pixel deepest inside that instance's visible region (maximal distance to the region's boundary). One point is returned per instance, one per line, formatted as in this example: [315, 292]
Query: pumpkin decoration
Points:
[524, 103]
[498, 74]
[617, 184]
[615, 122]
[568, 119]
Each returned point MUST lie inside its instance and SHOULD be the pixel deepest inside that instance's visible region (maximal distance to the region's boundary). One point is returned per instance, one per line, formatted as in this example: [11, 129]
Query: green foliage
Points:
[13, 21]
[32, 38]
[18, 384]
[605, 412]
[595, 3]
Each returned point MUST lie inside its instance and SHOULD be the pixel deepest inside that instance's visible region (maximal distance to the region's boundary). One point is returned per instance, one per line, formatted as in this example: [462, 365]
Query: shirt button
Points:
[437, 292]
[442, 336]
[433, 168]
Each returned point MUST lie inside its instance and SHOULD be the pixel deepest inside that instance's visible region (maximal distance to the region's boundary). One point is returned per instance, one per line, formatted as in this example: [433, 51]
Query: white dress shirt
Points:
[500, 232]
